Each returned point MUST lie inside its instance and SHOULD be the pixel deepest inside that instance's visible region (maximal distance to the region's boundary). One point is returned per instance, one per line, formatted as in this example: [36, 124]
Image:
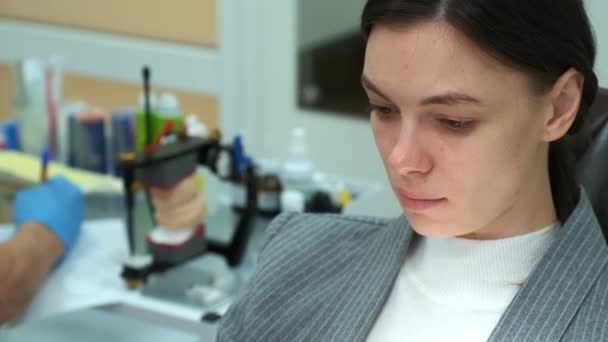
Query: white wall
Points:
[111, 56]
[323, 20]
[598, 11]
[339, 145]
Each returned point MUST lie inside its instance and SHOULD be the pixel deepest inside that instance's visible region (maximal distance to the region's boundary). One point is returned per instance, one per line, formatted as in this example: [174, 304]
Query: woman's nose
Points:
[409, 155]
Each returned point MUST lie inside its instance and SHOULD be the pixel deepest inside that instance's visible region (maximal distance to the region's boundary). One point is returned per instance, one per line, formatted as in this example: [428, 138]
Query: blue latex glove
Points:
[57, 204]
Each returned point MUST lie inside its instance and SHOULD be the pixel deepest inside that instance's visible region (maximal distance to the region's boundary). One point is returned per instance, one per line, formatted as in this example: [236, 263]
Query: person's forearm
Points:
[24, 262]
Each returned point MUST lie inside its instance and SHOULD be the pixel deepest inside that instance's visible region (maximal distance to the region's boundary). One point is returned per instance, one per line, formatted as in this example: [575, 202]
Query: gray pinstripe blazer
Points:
[326, 278]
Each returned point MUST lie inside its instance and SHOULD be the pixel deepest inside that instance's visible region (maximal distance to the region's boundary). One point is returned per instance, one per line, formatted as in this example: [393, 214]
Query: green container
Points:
[157, 122]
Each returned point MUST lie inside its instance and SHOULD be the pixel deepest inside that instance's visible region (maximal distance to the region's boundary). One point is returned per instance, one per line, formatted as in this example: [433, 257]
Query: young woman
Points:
[469, 101]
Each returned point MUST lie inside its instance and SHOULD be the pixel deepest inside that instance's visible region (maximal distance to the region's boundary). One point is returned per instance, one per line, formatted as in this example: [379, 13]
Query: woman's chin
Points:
[436, 230]
[434, 233]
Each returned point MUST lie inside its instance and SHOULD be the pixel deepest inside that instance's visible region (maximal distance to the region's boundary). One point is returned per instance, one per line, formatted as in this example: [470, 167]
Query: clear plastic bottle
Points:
[298, 168]
[30, 107]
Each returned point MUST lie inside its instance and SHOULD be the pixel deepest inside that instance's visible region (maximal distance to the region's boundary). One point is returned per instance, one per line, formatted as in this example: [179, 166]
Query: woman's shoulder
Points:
[300, 229]
[296, 241]
[590, 316]
[294, 224]
[347, 221]
[302, 262]
[291, 233]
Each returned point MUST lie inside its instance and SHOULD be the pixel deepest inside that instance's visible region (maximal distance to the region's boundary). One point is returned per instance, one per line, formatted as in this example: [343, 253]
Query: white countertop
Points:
[90, 276]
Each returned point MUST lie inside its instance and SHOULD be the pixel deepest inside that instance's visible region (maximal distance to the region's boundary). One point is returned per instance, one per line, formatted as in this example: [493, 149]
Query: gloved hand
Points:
[57, 204]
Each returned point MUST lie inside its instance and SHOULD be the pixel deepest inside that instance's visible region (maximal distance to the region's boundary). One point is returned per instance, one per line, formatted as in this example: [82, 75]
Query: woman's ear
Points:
[565, 101]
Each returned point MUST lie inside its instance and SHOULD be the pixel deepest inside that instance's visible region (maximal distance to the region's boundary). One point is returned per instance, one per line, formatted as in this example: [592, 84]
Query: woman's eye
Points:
[456, 125]
[382, 112]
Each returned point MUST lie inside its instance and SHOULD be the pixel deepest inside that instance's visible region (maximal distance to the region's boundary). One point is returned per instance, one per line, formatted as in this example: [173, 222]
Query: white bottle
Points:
[195, 127]
[30, 106]
[292, 201]
[298, 168]
[168, 106]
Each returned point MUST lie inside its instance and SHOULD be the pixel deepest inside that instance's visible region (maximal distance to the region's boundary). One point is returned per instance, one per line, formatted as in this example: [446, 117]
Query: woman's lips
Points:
[419, 203]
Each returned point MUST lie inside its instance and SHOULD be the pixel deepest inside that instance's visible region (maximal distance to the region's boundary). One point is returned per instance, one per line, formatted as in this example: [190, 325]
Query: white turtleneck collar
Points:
[457, 289]
[478, 274]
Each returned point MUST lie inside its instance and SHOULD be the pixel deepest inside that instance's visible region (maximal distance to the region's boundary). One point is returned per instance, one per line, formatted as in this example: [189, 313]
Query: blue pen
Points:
[44, 161]
[238, 156]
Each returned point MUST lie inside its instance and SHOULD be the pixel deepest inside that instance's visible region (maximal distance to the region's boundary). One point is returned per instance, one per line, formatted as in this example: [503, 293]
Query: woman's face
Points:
[460, 134]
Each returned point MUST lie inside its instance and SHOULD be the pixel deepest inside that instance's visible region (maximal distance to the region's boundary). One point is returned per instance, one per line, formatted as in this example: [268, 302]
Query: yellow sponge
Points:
[16, 166]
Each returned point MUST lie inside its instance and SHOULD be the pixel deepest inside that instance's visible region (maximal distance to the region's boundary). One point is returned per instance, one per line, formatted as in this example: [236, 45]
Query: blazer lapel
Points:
[547, 302]
[360, 299]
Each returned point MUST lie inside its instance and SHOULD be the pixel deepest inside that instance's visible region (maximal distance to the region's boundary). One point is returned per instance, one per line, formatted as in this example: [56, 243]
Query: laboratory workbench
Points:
[86, 297]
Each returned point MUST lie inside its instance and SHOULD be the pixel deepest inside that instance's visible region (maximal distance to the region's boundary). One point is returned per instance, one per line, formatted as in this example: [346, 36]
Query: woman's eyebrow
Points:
[369, 85]
[449, 98]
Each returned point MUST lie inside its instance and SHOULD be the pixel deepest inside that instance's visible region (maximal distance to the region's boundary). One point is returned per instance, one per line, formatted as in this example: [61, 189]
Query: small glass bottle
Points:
[269, 188]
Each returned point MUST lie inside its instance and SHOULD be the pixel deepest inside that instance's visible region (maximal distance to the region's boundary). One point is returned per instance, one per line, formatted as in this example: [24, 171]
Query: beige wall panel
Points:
[186, 21]
[111, 95]
[7, 90]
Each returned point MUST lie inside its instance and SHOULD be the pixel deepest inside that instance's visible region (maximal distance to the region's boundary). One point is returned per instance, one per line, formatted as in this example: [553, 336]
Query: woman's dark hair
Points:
[543, 38]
